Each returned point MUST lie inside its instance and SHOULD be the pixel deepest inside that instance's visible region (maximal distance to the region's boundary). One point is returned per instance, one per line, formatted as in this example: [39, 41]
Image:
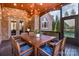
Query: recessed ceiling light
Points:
[14, 4]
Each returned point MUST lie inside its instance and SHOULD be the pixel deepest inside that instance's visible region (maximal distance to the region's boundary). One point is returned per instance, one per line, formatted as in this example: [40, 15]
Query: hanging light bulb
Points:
[31, 13]
[39, 12]
[38, 9]
[32, 5]
[54, 8]
[21, 5]
[31, 10]
[41, 3]
[45, 8]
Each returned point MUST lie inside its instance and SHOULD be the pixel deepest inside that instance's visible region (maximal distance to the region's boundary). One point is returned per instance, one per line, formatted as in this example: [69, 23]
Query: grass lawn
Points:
[69, 34]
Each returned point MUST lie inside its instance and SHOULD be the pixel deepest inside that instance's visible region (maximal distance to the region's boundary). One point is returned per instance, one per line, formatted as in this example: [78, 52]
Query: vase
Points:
[37, 35]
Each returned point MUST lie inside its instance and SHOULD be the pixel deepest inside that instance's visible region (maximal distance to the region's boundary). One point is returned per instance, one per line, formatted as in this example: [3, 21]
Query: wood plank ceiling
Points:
[34, 8]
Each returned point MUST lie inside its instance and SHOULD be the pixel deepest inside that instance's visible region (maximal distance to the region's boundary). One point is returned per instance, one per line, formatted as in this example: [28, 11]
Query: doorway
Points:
[16, 26]
[70, 29]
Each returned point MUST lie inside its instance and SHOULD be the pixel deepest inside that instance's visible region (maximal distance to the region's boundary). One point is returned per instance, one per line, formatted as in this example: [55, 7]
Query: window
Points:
[69, 28]
[70, 9]
[55, 15]
[13, 27]
[45, 23]
[21, 26]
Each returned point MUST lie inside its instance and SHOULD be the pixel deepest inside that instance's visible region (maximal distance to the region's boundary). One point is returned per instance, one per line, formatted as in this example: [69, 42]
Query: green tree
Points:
[73, 12]
[55, 28]
[66, 13]
[53, 23]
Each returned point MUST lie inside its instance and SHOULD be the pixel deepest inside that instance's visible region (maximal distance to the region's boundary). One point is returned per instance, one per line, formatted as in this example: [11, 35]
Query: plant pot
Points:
[37, 35]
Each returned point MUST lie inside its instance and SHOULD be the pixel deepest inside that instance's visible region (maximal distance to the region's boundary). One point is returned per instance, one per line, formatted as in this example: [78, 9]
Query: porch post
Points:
[36, 22]
[0, 25]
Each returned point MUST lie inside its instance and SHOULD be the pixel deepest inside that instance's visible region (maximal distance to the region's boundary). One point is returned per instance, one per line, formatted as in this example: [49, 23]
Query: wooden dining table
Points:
[37, 41]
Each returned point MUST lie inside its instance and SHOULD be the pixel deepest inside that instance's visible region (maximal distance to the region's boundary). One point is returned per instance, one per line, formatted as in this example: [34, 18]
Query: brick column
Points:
[17, 27]
[0, 26]
[36, 22]
[0, 31]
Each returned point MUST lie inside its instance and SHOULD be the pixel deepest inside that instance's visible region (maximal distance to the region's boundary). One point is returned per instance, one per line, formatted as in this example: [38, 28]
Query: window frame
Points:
[42, 23]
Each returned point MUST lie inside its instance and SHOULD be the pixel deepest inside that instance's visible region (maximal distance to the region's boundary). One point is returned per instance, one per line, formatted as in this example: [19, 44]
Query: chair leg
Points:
[12, 52]
[64, 52]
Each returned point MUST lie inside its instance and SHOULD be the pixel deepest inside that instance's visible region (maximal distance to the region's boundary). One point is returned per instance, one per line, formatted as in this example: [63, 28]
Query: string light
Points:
[38, 9]
[21, 5]
[31, 13]
[41, 3]
[14, 4]
[31, 10]
[31, 6]
[54, 8]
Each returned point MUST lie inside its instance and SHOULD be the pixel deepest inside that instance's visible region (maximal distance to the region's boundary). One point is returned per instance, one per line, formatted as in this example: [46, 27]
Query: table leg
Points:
[36, 51]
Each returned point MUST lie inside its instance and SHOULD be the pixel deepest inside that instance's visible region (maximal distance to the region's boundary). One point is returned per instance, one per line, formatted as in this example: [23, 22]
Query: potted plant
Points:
[37, 32]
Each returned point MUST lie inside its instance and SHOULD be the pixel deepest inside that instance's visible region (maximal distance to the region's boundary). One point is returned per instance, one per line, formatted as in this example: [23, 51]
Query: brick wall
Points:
[11, 12]
[0, 25]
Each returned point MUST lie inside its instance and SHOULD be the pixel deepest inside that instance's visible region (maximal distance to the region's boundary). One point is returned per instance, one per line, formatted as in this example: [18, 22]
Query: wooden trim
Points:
[70, 17]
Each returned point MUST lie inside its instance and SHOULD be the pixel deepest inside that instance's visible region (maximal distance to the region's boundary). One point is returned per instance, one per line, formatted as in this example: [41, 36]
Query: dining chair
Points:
[19, 39]
[54, 40]
[21, 50]
[51, 49]
[31, 34]
[24, 33]
[62, 46]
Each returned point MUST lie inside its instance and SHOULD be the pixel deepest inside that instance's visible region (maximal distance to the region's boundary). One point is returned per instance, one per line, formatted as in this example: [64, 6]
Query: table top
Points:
[37, 41]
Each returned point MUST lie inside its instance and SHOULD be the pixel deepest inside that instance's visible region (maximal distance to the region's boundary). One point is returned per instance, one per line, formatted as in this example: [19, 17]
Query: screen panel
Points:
[55, 20]
[70, 9]
[69, 28]
[50, 21]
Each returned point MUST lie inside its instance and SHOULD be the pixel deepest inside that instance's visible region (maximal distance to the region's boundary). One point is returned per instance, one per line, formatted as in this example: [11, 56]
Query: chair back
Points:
[56, 48]
[31, 34]
[16, 47]
[63, 43]
[24, 34]
[17, 37]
